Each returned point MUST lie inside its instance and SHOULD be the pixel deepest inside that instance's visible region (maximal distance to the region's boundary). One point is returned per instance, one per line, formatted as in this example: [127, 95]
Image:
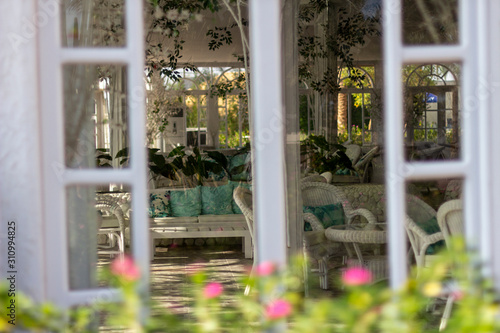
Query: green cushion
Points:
[159, 203]
[236, 161]
[236, 209]
[186, 202]
[217, 200]
[328, 215]
[430, 227]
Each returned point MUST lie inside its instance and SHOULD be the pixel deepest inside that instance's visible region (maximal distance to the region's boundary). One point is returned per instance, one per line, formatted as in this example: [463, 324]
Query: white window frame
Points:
[473, 167]
[56, 176]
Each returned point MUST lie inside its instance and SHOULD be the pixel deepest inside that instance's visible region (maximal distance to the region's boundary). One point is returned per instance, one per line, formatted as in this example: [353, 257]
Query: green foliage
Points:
[361, 308]
[324, 156]
[233, 140]
[352, 30]
[356, 135]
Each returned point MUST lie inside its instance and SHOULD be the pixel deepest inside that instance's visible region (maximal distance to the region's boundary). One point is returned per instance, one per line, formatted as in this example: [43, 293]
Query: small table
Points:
[355, 234]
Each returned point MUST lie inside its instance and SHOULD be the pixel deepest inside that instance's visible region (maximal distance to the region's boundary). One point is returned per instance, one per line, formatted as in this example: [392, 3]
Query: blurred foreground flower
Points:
[277, 309]
[125, 268]
[266, 268]
[212, 290]
[357, 276]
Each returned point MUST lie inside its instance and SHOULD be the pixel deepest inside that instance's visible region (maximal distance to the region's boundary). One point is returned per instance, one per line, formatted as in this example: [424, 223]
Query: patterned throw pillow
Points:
[236, 209]
[328, 215]
[186, 202]
[236, 161]
[430, 227]
[216, 200]
[159, 203]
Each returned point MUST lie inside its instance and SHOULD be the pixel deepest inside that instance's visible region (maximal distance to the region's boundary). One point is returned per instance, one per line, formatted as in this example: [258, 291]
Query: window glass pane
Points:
[424, 201]
[93, 23]
[95, 116]
[97, 217]
[430, 22]
[432, 111]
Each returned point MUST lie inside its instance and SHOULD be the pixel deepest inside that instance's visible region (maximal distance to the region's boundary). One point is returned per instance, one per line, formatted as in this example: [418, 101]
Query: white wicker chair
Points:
[111, 224]
[450, 220]
[321, 194]
[353, 152]
[315, 242]
[419, 212]
[362, 166]
[314, 178]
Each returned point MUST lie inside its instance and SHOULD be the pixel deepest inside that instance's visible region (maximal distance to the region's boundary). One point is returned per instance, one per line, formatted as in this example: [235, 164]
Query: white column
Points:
[268, 130]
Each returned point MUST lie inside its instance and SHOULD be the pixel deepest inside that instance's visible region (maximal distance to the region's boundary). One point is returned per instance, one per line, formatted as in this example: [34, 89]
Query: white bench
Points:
[203, 226]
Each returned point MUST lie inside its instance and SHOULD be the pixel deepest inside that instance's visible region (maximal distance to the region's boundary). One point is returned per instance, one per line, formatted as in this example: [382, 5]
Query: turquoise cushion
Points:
[217, 200]
[159, 203]
[430, 227]
[236, 161]
[328, 215]
[186, 202]
[236, 209]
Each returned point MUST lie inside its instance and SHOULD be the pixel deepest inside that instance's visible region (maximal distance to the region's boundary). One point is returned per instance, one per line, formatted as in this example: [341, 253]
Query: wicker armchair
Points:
[321, 194]
[419, 212]
[316, 245]
[362, 166]
[450, 220]
[112, 224]
[314, 178]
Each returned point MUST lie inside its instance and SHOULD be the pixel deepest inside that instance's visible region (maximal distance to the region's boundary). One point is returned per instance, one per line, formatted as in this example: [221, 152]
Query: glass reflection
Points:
[430, 22]
[432, 112]
[93, 23]
[95, 115]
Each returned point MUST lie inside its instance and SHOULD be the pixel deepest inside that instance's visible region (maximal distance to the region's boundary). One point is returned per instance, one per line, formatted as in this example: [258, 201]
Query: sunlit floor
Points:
[172, 267]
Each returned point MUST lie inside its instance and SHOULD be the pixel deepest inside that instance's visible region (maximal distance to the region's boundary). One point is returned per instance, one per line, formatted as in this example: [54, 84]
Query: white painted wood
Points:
[473, 166]
[268, 131]
[395, 180]
[56, 176]
[20, 160]
[433, 53]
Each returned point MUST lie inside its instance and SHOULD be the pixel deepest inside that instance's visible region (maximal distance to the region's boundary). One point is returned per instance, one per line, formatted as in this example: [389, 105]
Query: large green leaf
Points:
[158, 160]
[122, 153]
[177, 151]
[219, 158]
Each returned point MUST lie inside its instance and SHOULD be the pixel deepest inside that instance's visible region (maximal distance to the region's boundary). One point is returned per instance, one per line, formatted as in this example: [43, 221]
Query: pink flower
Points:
[357, 276]
[125, 267]
[278, 309]
[212, 290]
[266, 268]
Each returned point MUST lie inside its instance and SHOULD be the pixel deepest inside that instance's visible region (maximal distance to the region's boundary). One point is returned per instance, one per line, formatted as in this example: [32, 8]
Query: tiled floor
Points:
[171, 268]
[224, 263]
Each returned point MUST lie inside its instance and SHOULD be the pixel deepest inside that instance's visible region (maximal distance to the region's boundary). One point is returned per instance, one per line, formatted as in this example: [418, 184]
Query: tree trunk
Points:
[332, 69]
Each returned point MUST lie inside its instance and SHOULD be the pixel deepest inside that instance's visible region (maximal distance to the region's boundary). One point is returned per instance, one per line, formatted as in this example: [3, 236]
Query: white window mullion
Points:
[137, 125]
[394, 157]
[486, 70]
[471, 104]
[55, 232]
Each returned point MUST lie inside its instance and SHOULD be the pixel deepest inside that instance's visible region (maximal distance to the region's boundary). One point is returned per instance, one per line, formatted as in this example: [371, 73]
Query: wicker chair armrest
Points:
[369, 216]
[313, 221]
[435, 237]
[314, 237]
